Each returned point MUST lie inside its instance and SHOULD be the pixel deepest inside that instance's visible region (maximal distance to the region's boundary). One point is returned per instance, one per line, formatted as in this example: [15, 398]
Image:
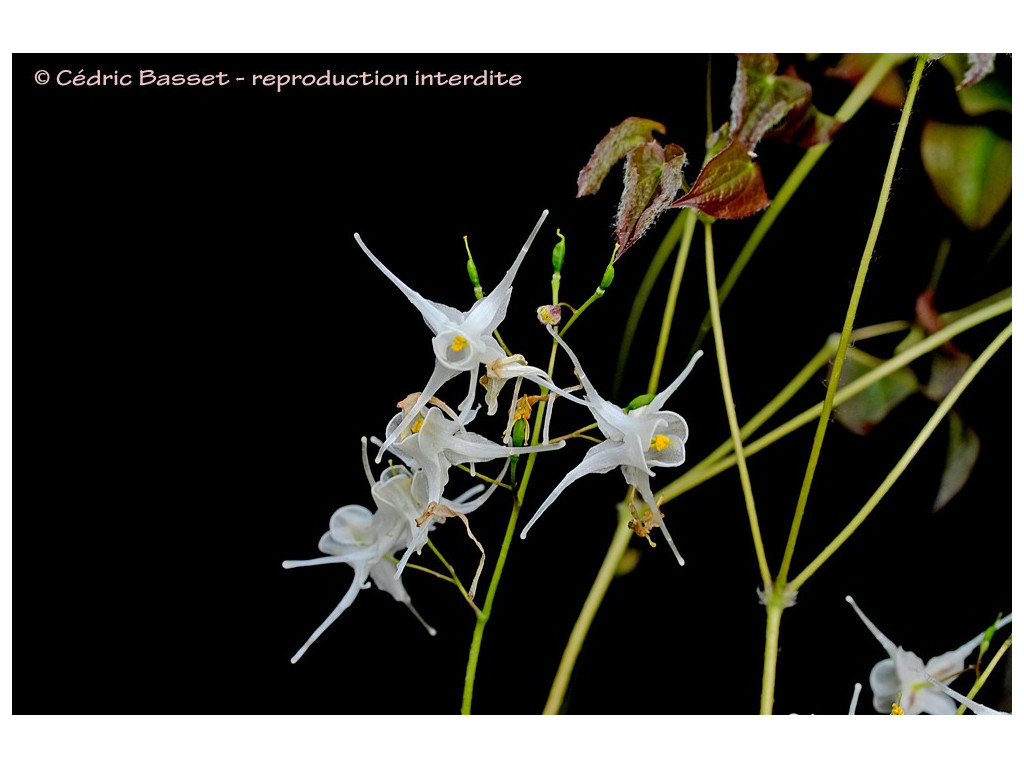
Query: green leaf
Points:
[729, 186]
[653, 178]
[617, 143]
[864, 411]
[961, 455]
[970, 169]
[976, 98]
[766, 104]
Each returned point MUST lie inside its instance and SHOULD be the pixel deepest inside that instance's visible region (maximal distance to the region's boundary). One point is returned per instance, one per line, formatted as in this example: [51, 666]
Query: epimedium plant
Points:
[969, 168]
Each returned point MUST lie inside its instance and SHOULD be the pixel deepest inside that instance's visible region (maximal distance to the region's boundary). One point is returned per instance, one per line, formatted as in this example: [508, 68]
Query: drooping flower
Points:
[905, 673]
[463, 341]
[635, 441]
[365, 540]
[433, 443]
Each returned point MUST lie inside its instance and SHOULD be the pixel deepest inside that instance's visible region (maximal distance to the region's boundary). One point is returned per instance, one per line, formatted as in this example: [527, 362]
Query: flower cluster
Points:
[429, 438]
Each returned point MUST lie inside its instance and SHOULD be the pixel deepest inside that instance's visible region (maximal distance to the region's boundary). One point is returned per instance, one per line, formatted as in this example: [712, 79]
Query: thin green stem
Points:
[454, 579]
[858, 96]
[851, 313]
[670, 302]
[940, 413]
[984, 675]
[730, 406]
[985, 310]
[492, 588]
[771, 656]
[650, 278]
[620, 542]
[594, 297]
[774, 405]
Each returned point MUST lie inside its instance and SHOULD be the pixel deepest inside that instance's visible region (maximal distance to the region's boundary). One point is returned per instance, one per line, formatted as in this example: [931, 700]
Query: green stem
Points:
[492, 588]
[858, 96]
[454, 579]
[771, 656]
[784, 396]
[851, 312]
[986, 310]
[620, 542]
[984, 675]
[670, 302]
[730, 406]
[644, 291]
[594, 297]
[940, 413]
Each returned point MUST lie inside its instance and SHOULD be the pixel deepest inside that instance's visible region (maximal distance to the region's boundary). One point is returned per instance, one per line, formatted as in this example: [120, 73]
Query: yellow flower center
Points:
[459, 344]
[896, 708]
[660, 442]
[417, 425]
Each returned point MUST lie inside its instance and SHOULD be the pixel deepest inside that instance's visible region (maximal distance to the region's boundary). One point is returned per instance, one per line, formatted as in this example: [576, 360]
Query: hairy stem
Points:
[661, 255]
[858, 96]
[670, 302]
[851, 312]
[937, 417]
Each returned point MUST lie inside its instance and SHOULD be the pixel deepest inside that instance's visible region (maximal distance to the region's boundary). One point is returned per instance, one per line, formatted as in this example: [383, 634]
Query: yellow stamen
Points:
[660, 442]
[417, 425]
[896, 708]
[459, 344]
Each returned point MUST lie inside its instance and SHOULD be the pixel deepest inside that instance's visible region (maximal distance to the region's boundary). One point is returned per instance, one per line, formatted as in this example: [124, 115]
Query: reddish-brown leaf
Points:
[729, 186]
[616, 144]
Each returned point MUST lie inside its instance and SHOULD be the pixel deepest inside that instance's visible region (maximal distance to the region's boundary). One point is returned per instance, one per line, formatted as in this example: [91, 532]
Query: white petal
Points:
[856, 697]
[659, 401]
[889, 645]
[488, 313]
[435, 315]
[437, 378]
[974, 642]
[885, 684]
[598, 460]
[928, 700]
[346, 601]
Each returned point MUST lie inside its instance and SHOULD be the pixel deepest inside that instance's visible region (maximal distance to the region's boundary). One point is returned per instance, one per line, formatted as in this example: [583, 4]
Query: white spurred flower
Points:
[433, 443]
[368, 541]
[635, 441]
[504, 369]
[905, 676]
[463, 341]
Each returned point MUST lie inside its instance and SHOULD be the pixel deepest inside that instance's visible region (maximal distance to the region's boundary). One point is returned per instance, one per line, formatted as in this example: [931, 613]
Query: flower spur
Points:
[636, 440]
[906, 673]
[368, 542]
[462, 341]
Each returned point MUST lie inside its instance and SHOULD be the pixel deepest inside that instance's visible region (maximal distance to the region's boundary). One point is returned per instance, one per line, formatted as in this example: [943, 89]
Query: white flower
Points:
[364, 540]
[504, 369]
[636, 440]
[462, 340]
[906, 673]
[434, 443]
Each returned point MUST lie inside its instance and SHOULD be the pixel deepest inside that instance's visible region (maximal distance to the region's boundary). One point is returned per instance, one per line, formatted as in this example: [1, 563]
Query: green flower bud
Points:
[638, 402]
[474, 276]
[520, 432]
[609, 275]
[558, 252]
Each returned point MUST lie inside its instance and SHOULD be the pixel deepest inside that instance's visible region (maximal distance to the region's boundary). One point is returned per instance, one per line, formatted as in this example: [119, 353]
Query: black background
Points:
[206, 344]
